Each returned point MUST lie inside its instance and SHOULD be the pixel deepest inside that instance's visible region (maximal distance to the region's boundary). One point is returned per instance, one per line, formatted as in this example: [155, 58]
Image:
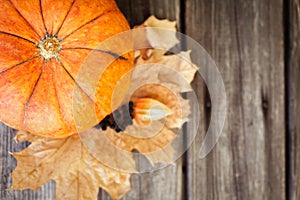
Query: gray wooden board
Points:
[294, 62]
[245, 38]
[165, 183]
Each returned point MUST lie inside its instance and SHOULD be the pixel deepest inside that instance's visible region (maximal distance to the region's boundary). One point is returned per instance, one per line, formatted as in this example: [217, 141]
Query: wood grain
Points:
[294, 73]
[245, 38]
[165, 183]
[137, 11]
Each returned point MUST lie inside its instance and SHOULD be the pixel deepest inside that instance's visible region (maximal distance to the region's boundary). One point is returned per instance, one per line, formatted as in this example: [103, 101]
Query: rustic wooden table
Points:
[256, 47]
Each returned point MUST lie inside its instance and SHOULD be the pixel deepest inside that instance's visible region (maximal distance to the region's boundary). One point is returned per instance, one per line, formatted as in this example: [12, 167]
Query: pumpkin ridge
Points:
[70, 75]
[64, 18]
[31, 93]
[57, 98]
[30, 71]
[24, 18]
[18, 64]
[92, 20]
[41, 12]
[115, 55]
[42, 95]
[14, 35]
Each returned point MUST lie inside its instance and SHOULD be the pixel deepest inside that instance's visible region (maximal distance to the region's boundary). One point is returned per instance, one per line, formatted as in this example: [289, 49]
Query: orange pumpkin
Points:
[43, 44]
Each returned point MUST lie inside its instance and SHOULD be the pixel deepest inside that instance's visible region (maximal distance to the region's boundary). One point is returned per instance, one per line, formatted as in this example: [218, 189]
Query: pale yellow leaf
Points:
[156, 148]
[160, 34]
[157, 36]
[154, 140]
[96, 142]
[78, 175]
[176, 71]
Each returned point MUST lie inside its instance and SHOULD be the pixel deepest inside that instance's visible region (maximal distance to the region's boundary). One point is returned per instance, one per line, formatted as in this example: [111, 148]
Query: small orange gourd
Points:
[43, 44]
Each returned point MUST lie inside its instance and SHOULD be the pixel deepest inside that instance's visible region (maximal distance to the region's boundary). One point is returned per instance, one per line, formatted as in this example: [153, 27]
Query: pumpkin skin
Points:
[43, 44]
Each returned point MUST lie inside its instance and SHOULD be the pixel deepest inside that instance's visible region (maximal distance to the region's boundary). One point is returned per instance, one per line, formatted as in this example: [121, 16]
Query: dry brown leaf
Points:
[175, 70]
[162, 36]
[106, 152]
[78, 175]
[147, 146]
[158, 37]
[162, 78]
[154, 139]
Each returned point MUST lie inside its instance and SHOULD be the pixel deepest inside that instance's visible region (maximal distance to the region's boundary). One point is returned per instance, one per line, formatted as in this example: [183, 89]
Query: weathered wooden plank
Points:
[245, 38]
[294, 73]
[165, 183]
[137, 11]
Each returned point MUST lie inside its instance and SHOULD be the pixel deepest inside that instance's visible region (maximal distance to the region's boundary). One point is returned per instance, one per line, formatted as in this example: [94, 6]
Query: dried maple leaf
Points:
[153, 143]
[159, 37]
[159, 77]
[156, 37]
[152, 140]
[77, 173]
[175, 70]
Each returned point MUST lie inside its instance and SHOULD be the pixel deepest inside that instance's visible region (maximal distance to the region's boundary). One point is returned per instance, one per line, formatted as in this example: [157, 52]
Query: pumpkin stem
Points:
[49, 47]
